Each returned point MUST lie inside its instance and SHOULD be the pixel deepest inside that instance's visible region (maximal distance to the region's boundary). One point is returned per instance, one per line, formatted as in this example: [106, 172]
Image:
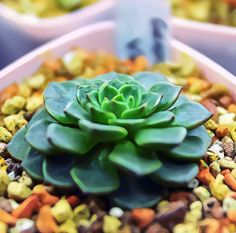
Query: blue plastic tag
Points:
[143, 29]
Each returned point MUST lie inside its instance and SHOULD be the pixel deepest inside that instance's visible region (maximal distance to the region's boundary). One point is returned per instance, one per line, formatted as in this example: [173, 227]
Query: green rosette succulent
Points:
[129, 137]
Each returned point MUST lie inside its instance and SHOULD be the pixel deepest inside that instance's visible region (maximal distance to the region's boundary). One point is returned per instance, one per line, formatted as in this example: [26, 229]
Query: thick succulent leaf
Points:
[159, 119]
[69, 139]
[74, 110]
[33, 163]
[148, 79]
[135, 113]
[41, 114]
[114, 77]
[130, 124]
[132, 90]
[136, 192]
[169, 92]
[118, 107]
[56, 98]
[56, 108]
[181, 100]
[57, 171]
[93, 98]
[103, 133]
[193, 147]
[18, 147]
[175, 174]
[152, 100]
[100, 116]
[190, 115]
[97, 176]
[36, 137]
[160, 138]
[64, 89]
[107, 91]
[128, 156]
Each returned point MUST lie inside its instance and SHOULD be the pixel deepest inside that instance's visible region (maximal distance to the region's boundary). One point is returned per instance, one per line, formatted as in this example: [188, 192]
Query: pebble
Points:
[5, 204]
[68, 227]
[229, 203]
[227, 119]
[18, 191]
[217, 148]
[24, 225]
[202, 193]
[5, 135]
[13, 105]
[116, 212]
[3, 227]
[62, 211]
[224, 163]
[111, 224]
[229, 147]
[4, 182]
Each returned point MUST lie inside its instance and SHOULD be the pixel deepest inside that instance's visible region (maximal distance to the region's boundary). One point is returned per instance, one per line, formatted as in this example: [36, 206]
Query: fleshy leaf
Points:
[193, 147]
[190, 115]
[148, 79]
[107, 91]
[160, 138]
[159, 119]
[97, 176]
[74, 110]
[100, 116]
[18, 146]
[103, 133]
[135, 113]
[136, 192]
[129, 124]
[57, 171]
[175, 174]
[33, 163]
[36, 137]
[152, 100]
[128, 156]
[69, 139]
[169, 92]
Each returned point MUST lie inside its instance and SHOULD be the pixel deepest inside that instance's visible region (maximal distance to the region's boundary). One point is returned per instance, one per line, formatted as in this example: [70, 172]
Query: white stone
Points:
[217, 148]
[116, 212]
[24, 225]
[227, 119]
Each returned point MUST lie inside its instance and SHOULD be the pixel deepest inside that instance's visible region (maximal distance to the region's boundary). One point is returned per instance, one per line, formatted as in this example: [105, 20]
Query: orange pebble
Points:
[53, 64]
[73, 200]
[140, 63]
[143, 216]
[221, 131]
[44, 196]
[45, 221]
[232, 108]
[229, 180]
[231, 214]
[205, 176]
[7, 218]
[27, 207]
[9, 92]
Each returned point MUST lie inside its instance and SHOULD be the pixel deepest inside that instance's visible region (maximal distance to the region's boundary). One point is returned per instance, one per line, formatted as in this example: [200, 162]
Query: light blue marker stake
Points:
[143, 29]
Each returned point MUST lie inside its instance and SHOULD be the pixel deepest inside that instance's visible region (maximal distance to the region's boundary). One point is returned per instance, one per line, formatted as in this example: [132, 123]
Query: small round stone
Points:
[24, 226]
[116, 212]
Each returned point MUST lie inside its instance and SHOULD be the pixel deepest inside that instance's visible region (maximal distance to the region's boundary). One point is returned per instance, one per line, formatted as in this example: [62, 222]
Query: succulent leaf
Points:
[198, 115]
[160, 138]
[134, 159]
[18, 146]
[57, 172]
[33, 163]
[175, 174]
[97, 176]
[70, 140]
[110, 135]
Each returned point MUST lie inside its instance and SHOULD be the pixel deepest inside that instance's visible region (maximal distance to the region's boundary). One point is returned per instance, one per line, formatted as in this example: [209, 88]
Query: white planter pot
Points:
[104, 33]
[45, 29]
[216, 41]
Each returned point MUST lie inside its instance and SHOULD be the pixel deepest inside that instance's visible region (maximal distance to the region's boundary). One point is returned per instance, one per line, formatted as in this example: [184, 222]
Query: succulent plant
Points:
[129, 137]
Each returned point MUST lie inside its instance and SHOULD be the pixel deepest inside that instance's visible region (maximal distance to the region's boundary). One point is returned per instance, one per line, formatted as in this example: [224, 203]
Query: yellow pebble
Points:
[195, 213]
[33, 103]
[4, 181]
[62, 211]
[162, 206]
[18, 191]
[211, 125]
[218, 189]
[26, 180]
[13, 121]
[24, 90]
[36, 81]
[202, 193]
[3, 227]
[68, 227]
[186, 228]
[81, 212]
[233, 133]
[111, 224]
[13, 105]
[5, 135]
